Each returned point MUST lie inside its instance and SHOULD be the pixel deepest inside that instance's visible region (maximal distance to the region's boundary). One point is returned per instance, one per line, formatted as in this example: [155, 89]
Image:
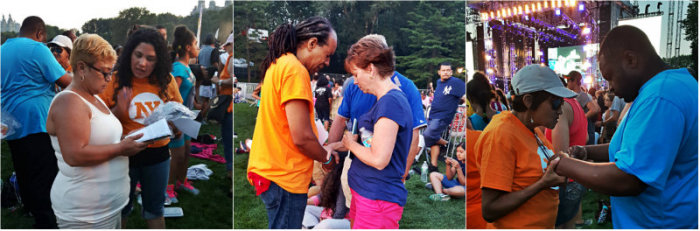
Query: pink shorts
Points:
[374, 214]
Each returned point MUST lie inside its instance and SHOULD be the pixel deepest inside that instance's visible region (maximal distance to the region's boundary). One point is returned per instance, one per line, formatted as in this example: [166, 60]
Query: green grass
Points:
[211, 209]
[419, 212]
[590, 208]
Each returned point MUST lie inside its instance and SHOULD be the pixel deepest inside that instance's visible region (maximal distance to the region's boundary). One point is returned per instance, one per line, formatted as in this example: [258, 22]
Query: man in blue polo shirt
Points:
[356, 103]
[449, 94]
[29, 71]
[650, 167]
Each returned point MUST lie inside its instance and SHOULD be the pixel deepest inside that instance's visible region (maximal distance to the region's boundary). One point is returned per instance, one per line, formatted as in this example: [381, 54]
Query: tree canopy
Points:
[422, 34]
[114, 29]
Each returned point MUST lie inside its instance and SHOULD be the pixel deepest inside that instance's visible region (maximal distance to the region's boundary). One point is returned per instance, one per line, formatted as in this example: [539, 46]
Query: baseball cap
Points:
[62, 41]
[228, 40]
[535, 77]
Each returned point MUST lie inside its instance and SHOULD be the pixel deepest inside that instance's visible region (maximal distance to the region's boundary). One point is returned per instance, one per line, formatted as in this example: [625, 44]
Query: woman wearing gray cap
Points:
[519, 190]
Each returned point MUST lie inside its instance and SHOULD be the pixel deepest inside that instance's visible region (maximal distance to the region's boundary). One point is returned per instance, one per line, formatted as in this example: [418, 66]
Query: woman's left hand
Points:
[348, 139]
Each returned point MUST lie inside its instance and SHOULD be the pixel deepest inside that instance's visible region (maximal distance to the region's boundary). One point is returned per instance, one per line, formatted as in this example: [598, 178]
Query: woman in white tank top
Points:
[92, 184]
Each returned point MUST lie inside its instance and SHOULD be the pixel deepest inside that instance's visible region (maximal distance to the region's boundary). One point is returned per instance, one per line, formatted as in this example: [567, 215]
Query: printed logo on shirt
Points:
[447, 90]
[143, 105]
[320, 91]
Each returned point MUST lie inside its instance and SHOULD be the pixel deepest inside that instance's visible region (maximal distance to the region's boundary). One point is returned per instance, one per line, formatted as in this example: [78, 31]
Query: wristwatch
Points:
[220, 81]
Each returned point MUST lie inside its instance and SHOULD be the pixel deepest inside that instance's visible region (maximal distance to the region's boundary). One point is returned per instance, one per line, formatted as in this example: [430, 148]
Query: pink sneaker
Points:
[187, 186]
[172, 195]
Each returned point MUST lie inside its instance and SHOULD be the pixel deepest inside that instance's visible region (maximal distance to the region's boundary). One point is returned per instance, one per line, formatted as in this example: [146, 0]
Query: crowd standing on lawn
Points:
[360, 181]
[531, 165]
[70, 105]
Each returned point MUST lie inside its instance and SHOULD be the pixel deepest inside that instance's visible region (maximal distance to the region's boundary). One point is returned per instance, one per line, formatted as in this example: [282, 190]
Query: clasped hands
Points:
[332, 150]
[550, 177]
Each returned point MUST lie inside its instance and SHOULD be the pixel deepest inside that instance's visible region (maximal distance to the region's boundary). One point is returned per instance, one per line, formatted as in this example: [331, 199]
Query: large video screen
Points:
[651, 27]
[566, 59]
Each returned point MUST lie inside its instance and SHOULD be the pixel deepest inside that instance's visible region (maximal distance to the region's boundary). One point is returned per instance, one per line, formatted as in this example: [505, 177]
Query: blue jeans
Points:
[285, 210]
[227, 137]
[154, 179]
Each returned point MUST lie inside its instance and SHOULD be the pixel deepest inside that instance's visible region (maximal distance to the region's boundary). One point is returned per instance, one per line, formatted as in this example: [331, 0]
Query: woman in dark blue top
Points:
[378, 194]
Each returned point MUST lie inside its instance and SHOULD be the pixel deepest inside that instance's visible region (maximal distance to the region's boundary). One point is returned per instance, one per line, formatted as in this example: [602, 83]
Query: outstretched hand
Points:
[550, 177]
[578, 152]
[331, 155]
[123, 101]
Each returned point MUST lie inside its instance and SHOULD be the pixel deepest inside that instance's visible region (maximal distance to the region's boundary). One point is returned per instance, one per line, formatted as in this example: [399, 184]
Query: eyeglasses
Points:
[104, 74]
[556, 103]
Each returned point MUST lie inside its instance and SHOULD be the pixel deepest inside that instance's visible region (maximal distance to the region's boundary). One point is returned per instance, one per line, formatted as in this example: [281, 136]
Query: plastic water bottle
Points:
[603, 214]
[366, 137]
[424, 172]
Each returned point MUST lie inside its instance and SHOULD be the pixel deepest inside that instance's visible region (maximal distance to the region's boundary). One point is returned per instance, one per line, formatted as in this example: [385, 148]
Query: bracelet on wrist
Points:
[329, 160]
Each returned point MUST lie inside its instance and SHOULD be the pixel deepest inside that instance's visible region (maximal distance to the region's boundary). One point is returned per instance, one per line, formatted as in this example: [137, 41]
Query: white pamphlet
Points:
[155, 131]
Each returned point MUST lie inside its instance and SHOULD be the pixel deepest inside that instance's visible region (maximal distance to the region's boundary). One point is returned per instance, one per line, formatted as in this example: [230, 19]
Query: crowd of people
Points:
[77, 99]
[373, 136]
[532, 156]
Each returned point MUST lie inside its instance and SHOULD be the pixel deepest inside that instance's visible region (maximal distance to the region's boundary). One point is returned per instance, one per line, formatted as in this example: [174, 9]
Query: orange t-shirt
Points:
[512, 160]
[144, 99]
[273, 154]
[474, 218]
[226, 90]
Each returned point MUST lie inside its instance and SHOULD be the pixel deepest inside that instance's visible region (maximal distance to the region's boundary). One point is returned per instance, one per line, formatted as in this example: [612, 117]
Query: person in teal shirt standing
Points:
[184, 48]
[650, 167]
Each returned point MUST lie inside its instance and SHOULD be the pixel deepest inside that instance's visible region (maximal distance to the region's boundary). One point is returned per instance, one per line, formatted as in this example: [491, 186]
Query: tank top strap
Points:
[93, 108]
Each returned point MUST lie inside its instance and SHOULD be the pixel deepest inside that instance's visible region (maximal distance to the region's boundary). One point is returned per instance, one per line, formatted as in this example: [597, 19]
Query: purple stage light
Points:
[580, 7]
[557, 12]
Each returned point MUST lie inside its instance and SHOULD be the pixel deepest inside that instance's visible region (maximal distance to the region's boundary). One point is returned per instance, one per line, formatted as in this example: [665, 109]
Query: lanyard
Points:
[542, 148]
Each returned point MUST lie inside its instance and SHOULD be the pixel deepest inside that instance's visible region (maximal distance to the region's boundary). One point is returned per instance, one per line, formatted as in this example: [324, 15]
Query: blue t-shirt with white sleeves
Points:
[657, 142]
[28, 74]
[447, 97]
[385, 184]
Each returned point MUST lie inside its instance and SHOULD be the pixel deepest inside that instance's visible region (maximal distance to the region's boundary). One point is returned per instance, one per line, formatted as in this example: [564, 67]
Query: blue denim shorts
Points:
[434, 130]
[449, 183]
[154, 179]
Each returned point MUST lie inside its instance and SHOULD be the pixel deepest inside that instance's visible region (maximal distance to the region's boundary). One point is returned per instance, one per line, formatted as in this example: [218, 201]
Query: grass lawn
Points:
[419, 213]
[211, 209]
[590, 209]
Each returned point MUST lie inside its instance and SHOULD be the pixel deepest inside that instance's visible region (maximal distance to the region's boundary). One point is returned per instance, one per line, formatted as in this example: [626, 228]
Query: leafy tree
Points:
[436, 33]
[8, 35]
[690, 25]
[101, 27]
[422, 34]
[248, 16]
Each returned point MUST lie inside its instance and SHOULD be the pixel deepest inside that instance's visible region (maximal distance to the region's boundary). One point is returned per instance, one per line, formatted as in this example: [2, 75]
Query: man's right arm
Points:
[65, 80]
[302, 132]
[596, 153]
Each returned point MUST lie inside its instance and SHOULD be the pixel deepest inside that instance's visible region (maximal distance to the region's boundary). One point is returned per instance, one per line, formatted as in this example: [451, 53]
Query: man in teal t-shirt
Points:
[651, 169]
[28, 74]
